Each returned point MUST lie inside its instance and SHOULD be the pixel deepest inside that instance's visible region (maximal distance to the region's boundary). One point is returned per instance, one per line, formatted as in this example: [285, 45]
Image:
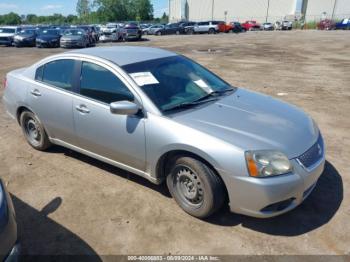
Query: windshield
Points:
[7, 30]
[27, 31]
[173, 81]
[73, 32]
[49, 32]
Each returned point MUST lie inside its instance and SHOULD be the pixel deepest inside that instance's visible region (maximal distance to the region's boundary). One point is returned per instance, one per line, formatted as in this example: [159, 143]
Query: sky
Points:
[65, 7]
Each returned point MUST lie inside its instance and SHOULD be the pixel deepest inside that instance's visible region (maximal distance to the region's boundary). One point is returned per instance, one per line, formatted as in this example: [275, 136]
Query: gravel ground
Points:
[68, 203]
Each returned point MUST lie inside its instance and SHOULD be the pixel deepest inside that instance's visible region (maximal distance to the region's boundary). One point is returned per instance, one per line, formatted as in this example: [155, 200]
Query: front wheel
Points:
[195, 187]
[211, 31]
[34, 131]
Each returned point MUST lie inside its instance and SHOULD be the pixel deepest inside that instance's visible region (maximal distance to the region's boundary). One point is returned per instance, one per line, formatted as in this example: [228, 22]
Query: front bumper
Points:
[6, 41]
[71, 44]
[269, 197]
[47, 43]
[24, 42]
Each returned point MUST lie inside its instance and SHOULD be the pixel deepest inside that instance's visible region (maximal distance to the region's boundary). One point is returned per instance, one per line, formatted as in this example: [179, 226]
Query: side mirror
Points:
[124, 108]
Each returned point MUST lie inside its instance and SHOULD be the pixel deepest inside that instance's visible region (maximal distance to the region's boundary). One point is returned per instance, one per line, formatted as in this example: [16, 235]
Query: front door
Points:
[118, 137]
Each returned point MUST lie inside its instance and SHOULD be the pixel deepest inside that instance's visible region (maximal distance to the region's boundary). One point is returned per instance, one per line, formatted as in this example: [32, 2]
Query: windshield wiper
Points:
[189, 104]
[201, 100]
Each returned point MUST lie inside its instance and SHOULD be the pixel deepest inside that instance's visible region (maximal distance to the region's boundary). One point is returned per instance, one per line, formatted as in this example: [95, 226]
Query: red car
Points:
[225, 28]
[251, 25]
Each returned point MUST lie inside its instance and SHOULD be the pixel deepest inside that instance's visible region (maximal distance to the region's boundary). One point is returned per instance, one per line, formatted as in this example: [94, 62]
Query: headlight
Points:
[265, 163]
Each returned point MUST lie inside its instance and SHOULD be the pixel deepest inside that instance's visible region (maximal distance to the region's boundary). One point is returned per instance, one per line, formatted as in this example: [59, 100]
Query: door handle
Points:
[35, 92]
[82, 109]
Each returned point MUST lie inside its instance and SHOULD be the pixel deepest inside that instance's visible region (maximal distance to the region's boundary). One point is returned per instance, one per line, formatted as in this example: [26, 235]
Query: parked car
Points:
[287, 25]
[109, 37]
[225, 28]
[9, 242]
[251, 25]
[25, 37]
[92, 36]
[267, 27]
[74, 38]
[164, 117]
[48, 38]
[7, 33]
[278, 25]
[343, 24]
[237, 27]
[326, 24]
[170, 29]
[154, 29]
[187, 28]
[132, 32]
[209, 27]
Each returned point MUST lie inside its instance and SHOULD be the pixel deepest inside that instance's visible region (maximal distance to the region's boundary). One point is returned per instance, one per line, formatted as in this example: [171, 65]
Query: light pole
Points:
[267, 10]
[334, 6]
[212, 9]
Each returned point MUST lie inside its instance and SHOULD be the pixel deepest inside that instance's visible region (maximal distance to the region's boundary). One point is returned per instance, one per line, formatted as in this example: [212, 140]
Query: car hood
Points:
[25, 35]
[252, 121]
[47, 37]
[72, 37]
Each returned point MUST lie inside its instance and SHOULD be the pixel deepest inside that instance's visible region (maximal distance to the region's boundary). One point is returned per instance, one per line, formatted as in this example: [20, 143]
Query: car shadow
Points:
[162, 188]
[42, 238]
[317, 210]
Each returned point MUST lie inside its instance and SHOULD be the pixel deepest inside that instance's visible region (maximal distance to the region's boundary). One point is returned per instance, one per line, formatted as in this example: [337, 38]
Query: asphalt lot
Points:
[68, 203]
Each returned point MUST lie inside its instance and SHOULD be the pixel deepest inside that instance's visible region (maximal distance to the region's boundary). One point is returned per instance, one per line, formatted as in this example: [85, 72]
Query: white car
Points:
[7, 34]
[287, 25]
[111, 32]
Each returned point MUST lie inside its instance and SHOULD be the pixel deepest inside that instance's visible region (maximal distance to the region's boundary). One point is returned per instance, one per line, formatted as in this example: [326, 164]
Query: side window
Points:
[39, 73]
[59, 73]
[100, 84]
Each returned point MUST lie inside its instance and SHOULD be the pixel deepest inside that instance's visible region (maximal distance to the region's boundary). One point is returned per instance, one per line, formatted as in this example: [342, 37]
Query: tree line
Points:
[92, 12]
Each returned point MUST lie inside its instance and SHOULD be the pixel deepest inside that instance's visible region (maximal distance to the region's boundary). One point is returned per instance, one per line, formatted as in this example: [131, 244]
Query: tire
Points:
[211, 31]
[177, 32]
[195, 187]
[34, 131]
[190, 32]
[159, 33]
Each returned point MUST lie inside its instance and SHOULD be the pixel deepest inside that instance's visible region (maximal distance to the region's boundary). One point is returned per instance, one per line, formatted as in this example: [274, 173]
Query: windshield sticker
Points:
[144, 78]
[202, 85]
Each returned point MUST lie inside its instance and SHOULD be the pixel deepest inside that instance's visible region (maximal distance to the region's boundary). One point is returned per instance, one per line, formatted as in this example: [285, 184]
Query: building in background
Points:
[316, 10]
[232, 10]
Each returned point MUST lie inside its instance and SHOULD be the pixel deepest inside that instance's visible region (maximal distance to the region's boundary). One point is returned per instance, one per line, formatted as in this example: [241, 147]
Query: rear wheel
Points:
[158, 33]
[34, 131]
[195, 187]
[211, 31]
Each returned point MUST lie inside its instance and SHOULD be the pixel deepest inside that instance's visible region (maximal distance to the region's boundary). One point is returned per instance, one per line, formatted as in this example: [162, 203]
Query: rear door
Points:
[50, 97]
[117, 137]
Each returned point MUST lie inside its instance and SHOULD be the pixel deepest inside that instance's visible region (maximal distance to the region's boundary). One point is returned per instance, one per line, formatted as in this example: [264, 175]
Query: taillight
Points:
[5, 82]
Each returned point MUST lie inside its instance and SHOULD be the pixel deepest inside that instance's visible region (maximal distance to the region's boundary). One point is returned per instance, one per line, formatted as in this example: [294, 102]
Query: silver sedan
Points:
[164, 117]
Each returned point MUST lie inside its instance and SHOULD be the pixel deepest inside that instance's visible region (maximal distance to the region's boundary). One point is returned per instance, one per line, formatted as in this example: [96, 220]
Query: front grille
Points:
[131, 31]
[313, 154]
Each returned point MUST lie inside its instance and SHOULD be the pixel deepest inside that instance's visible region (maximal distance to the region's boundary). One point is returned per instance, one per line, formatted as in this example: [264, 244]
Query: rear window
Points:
[59, 73]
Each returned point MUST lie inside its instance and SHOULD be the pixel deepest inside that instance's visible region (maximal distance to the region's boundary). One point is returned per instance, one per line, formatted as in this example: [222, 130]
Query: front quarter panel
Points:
[164, 135]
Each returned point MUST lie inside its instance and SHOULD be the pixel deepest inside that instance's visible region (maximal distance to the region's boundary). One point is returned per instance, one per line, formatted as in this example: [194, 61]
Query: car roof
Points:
[125, 55]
